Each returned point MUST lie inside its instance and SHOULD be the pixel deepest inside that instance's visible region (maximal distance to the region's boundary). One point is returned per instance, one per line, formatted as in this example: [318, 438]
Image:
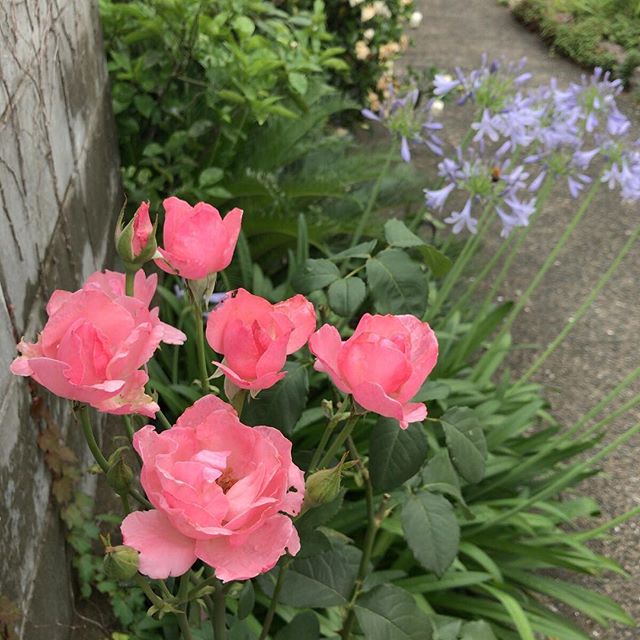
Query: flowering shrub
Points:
[373, 34]
[371, 472]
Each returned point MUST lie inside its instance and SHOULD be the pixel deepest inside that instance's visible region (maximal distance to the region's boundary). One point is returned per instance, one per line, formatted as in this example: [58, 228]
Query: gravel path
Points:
[604, 345]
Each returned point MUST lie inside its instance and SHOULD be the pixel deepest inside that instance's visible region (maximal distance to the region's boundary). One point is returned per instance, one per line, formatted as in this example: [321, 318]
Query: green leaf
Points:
[246, 600]
[244, 26]
[398, 235]
[315, 274]
[322, 580]
[304, 626]
[466, 442]
[281, 405]
[302, 241]
[210, 176]
[346, 295]
[390, 613]
[145, 104]
[437, 261]
[310, 520]
[395, 454]
[440, 469]
[450, 580]
[515, 611]
[231, 96]
[397, 283]
[432, 390]
[362, 250]
[431, 530]
[298, 82]
[477, 630]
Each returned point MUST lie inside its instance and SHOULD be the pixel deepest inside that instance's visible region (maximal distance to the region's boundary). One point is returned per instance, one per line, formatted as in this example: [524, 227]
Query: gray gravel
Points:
[604, 345]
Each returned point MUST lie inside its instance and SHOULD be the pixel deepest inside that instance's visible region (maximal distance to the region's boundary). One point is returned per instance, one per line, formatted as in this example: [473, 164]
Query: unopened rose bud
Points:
[136, 241]
[121, 562]
[323, 486]
[119, 476]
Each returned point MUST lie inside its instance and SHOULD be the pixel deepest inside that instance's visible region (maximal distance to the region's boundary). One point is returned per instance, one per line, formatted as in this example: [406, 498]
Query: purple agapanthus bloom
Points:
[437, 198]
[576, 183]
[462, 219]
[444, 84]
[488, 126]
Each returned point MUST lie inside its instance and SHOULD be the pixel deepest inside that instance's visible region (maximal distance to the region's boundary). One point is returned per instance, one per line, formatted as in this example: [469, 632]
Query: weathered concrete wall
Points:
[59, 192]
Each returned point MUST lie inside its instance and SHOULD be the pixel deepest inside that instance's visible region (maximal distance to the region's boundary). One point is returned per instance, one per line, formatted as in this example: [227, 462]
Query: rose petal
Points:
[164, 551]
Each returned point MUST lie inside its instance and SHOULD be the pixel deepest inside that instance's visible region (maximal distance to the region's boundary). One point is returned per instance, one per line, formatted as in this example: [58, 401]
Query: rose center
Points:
[226, 480]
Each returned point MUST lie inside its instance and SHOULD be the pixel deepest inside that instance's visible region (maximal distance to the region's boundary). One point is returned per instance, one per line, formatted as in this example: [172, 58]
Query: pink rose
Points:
[197, 241]
[95, 341]
[256, 336]
[220, 491]
[382, 365]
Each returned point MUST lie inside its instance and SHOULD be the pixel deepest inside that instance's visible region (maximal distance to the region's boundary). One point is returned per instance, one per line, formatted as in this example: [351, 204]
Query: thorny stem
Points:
[219, 613]
[274, 600]
[103, 463]
[128, 425]
[148, 590]
[85, 421]
[326, 434]
[374, 520]
[183, 623]
[129, 279]
[339, 441]
[200, 346]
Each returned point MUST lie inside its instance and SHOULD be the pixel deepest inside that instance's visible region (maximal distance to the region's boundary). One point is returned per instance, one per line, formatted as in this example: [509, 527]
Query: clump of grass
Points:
[604, 33]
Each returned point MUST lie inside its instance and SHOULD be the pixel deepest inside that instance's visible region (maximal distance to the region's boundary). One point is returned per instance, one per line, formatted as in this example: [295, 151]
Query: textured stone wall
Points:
[59, 193]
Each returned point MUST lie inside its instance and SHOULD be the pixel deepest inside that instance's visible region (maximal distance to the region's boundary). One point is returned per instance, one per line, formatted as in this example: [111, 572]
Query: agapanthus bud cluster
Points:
[409, 119]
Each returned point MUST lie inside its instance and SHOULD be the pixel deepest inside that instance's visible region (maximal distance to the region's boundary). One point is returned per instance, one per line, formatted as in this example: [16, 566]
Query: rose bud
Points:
[136, 242]
[121, 562]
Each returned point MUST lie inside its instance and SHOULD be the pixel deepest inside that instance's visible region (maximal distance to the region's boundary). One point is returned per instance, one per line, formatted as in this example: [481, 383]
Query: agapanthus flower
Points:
[463, 218]
[436, 199]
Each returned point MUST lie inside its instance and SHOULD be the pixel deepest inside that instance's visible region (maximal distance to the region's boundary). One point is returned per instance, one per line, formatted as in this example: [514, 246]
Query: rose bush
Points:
[409, 520]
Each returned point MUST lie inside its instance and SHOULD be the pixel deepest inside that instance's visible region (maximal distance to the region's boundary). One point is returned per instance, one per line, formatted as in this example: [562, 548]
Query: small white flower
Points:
[369, 33]
[437, 106]
[367, 13]
[415, 20]
[355, 3]
[362, 50]
[381, 9]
